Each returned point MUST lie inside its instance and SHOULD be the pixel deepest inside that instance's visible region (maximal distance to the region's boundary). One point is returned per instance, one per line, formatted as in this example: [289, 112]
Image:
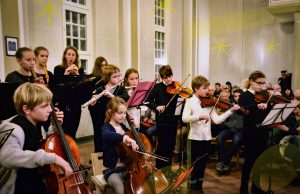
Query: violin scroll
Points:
[177, 88]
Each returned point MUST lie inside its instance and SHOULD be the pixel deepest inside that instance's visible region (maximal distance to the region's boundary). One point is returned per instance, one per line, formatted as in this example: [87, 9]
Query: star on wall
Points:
[167, 5]
[272, 46]
[221, 46]
[49, 9]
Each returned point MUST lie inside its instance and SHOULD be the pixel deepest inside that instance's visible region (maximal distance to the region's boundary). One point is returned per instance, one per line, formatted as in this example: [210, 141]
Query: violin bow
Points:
[177, 91]
[153, 155]
[218, 99]
[273, 93]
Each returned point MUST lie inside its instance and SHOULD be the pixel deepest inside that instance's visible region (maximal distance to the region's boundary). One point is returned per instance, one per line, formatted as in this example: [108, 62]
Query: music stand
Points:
[178, 114]
[277, 114]
[4, 136]
[140, 94]
[75, 89]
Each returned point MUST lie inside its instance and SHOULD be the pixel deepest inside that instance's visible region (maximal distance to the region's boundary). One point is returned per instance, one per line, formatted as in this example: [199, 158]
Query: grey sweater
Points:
[12, 157]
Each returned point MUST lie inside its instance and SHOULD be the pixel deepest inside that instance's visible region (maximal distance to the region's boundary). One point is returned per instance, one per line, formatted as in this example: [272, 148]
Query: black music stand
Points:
[178, 115]
[140, 94]
[4, 136]
[277, 114]
[7, 91]
[71, 89]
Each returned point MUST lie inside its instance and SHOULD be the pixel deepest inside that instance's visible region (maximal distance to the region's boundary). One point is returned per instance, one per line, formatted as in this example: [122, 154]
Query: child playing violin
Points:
[109, 87]
[255, 136]
[200, 127]
[21, 156]
[166, 121]
[113, 133]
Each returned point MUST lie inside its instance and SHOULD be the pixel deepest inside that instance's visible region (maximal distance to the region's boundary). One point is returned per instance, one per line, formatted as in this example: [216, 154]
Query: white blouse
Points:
[200, 129]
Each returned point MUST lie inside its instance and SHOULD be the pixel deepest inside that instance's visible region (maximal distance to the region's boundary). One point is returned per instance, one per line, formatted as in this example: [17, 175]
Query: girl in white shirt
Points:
[200, 127]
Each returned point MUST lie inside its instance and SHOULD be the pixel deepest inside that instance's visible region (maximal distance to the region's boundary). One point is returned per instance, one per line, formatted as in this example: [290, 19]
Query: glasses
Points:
[260, 83]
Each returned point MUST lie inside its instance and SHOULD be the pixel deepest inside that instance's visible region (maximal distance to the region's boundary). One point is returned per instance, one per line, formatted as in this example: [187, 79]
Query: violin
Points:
[209, 101]
[143, 177]
[265, 97]
[222, 104]
[177, 88]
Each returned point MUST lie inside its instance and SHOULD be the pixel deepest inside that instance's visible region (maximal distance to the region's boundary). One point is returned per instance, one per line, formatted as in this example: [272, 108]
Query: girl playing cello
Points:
[113, 133]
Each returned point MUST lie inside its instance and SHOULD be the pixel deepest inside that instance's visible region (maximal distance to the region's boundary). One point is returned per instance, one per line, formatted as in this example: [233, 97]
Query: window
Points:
[160, 58]
[81, 2]
[77, 28]
[160, 12]
[160, 51]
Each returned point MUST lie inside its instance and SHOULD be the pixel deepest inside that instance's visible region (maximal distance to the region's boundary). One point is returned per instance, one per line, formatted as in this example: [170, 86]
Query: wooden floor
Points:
[213, 183]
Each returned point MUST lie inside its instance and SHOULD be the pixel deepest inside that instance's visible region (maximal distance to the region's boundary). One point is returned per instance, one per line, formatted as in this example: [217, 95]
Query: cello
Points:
[142, 176]
[64, 146]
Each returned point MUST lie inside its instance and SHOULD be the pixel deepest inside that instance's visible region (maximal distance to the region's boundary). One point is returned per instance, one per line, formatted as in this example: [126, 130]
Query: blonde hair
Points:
[113, 107]
[198, 81]
[109, 70]
[31, 95]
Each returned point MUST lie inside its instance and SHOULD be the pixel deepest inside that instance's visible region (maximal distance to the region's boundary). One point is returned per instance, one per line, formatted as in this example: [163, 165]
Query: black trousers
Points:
[198, 149]
[252, 151]
[72, 113]
[166, 133]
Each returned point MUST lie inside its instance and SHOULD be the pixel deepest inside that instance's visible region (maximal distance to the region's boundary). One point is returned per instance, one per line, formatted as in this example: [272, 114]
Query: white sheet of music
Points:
[279, 113]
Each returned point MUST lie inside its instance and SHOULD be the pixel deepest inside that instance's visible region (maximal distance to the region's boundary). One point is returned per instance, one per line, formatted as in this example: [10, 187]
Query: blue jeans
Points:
[226, 155]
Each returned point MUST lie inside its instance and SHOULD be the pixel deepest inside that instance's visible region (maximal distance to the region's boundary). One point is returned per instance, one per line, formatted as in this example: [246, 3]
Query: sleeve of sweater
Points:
[187, 115]
[12, 154]
[109, 134]
[219, 118]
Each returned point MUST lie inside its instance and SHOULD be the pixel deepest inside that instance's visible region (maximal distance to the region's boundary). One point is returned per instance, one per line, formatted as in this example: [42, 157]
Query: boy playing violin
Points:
[200, 127]
[21, 156]
[166, 121]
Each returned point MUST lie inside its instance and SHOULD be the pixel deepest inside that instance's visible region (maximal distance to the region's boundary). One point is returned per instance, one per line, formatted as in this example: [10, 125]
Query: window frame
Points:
[83, 9]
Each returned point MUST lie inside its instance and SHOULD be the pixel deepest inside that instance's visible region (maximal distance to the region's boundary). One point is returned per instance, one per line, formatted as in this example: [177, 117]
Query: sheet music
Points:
[140, 93]
[279, 113]
[179, 106]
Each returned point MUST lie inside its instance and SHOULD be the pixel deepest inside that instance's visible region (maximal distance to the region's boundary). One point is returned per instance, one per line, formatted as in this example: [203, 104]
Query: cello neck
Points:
[135, 134]
[63, 140]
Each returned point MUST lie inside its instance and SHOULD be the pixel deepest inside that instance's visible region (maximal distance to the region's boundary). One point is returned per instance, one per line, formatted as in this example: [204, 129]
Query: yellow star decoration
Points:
[49, 9]
[221, 46]
[167, 5]
[272, 46]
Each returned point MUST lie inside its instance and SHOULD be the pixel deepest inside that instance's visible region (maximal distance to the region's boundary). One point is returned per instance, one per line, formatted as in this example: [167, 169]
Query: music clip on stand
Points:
[277, 114]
